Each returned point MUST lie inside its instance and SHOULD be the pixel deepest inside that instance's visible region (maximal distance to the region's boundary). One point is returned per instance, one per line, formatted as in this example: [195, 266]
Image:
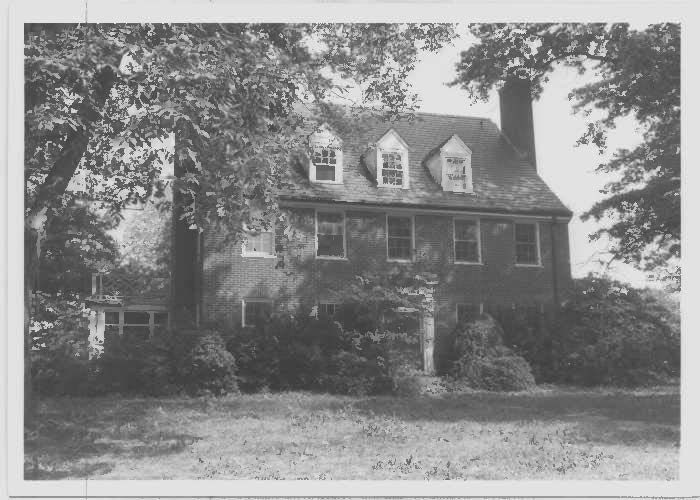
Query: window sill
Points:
[329, 257]
[313, 181]
[391, 186]
[258, 255]
[463, 263]
[528, 265]
[404, 261]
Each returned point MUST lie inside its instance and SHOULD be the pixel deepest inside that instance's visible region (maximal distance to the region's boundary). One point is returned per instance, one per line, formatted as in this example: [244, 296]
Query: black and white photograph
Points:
[325, 250]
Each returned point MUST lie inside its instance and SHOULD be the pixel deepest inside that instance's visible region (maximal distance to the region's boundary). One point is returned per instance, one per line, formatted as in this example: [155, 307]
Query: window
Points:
[329, 309]
[389, 161]
[255, 311]
[467, 241]
[325, 160]
[325, 156]
[259, 244]
[456, 174]
[330, 234]
[399, 238]
[133, 325]
[527, 247]
[392, 169]
[468, 312]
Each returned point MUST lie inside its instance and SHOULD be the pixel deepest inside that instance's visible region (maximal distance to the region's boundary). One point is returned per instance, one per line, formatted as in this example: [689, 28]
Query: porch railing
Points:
[118, 287]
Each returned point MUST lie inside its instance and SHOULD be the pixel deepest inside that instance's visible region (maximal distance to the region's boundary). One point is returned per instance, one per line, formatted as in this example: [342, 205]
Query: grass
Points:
[550, 433]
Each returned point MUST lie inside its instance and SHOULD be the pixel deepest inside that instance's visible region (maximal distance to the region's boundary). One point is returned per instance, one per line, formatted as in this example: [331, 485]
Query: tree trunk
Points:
[47, 195]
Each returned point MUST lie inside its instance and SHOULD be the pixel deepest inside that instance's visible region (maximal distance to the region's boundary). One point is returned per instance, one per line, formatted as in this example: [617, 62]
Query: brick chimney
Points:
[516, 117]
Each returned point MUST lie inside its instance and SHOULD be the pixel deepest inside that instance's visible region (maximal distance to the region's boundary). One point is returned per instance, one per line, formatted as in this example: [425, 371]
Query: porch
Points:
[127, 306]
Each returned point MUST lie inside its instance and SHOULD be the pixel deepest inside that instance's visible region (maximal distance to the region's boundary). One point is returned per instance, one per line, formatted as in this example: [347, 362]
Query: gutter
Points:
[563, 215]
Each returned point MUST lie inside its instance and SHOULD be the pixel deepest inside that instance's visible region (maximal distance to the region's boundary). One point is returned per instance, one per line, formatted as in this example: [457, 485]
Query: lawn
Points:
[550, 433]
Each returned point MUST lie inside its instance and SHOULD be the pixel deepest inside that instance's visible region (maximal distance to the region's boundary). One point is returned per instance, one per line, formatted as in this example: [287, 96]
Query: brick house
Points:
[454, 191]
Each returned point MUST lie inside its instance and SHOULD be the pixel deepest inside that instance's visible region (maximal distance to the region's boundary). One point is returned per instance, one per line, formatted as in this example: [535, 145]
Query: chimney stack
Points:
[516, 117]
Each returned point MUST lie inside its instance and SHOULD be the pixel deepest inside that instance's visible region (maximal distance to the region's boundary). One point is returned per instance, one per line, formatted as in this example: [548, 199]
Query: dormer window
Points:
[326, 161]
[325, 157]
[451, 166]
[388, 161]
[392, 169]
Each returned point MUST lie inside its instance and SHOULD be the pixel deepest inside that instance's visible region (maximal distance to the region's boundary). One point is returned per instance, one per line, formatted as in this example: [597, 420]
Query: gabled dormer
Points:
[451, 166]
[325, 163]
[387, 160]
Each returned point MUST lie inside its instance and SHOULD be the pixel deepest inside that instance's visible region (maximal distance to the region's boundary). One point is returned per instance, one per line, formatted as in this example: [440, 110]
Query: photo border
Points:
[272, 11]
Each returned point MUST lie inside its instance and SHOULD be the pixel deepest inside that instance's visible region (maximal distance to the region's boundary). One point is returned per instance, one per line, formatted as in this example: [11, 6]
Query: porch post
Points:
[97, 333]
[428, 327]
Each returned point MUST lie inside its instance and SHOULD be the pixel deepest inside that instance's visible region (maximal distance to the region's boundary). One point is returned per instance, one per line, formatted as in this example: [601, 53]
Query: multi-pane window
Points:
[255, 311]
[467, 241]
[325, 161]
[330, 234]
[392, 169]
[259, 243]
[467, 312]
[456, 172]
[399, 238]
[133, 325]
[327, 309]
[526, 244]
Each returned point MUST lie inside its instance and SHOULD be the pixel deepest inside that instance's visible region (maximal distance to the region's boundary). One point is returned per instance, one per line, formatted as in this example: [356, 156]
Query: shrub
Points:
[605, 333]
[348, 372]
[483, 362]
[300, 352]
[60, 374]
[609, 333]
[192, 361]
[131, 366]
[206, 366]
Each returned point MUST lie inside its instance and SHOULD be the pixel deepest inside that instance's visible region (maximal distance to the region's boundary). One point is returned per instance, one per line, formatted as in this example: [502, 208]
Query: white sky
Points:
[567, 169]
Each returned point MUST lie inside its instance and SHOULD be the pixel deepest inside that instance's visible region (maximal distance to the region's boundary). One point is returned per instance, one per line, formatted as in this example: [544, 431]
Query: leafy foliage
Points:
[77, 243]
[171, 362]
[606, 333]
[301, 352]
[615, 334]
[639, 76]
[484, 362]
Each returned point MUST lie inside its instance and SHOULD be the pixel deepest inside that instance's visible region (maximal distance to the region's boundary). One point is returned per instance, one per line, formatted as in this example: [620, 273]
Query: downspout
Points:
[555, 287]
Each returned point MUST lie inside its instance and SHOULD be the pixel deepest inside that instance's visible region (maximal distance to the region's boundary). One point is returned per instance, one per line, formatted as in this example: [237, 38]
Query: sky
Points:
[567, 169]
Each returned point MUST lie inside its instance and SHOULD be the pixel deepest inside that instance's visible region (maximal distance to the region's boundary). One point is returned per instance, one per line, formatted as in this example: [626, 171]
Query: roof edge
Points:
[412, 206]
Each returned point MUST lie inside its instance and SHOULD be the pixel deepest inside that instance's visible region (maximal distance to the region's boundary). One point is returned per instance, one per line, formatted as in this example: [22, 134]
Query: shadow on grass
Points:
[67, 435]
[613, 418]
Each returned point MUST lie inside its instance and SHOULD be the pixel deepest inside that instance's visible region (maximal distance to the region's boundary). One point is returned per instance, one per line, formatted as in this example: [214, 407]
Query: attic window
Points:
[326, 161]
[325, 157]
[387, 161]
[392, 169]
[451, 166]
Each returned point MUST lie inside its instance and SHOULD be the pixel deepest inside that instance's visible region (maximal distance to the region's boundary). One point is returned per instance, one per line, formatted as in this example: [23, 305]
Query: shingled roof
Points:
[503, 182]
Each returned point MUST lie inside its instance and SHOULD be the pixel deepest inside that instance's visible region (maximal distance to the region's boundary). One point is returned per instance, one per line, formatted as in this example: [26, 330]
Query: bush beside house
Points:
[605, 333]
[483, 362]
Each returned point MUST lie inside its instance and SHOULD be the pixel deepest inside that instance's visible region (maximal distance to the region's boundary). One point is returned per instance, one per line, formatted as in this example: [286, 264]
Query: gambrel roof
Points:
[503, 182]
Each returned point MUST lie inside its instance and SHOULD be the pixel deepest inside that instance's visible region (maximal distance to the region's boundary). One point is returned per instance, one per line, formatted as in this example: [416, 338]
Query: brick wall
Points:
[298, 278]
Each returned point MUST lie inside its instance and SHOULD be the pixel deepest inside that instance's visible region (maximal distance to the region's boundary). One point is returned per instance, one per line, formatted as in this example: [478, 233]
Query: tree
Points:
[639, 75]
[98, 98]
